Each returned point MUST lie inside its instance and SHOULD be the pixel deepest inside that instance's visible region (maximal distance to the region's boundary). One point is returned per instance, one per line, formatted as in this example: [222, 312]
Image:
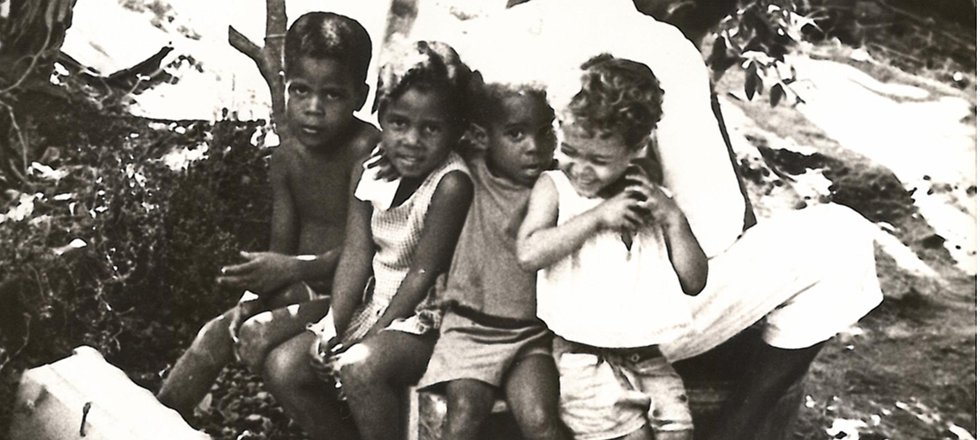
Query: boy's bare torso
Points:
[319, 186]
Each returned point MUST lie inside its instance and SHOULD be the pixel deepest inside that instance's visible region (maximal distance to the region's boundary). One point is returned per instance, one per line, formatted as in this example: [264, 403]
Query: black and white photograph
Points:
[488, 219]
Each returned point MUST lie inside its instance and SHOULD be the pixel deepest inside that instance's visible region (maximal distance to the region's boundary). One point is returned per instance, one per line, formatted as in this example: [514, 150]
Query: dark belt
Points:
[487, 320]
[631, 355]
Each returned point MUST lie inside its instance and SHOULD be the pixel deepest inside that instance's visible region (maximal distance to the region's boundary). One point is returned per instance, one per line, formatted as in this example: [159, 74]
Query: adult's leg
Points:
[644, 433]
[468, 404]
[375, 376]
[309, 401]
[531, 389]
[770, 375]
[810, 273]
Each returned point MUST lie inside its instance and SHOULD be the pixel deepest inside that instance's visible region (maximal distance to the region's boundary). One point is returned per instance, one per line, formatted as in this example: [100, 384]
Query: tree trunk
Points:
[268, 58]
[31, 34]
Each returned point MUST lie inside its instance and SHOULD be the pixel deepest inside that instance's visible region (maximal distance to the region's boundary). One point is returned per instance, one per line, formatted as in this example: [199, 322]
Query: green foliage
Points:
[114, 244]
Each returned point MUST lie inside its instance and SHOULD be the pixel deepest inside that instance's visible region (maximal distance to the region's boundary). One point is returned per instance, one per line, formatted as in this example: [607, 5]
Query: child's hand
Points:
[326, 361]
[243, 310]
[386, 171]
[621, 212]
[262, 272]
[322, 353]
[658, 207]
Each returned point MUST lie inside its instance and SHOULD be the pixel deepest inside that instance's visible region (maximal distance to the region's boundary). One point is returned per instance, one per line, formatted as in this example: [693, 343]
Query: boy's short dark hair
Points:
[429, 65]
[618, 97]
[488, 100]
[328, 35]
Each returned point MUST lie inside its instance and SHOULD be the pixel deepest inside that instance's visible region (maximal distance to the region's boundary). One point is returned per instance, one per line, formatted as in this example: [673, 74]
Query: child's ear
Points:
[362, 93]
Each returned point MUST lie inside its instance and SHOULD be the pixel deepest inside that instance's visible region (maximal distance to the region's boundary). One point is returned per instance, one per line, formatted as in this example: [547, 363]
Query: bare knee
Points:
[253, 345]
[213, 342]
[286, 369]
[364, 369]
[539, 423]
[467, 410]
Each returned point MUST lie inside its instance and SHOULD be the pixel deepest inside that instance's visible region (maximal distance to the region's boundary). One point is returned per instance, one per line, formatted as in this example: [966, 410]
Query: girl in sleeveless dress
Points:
[400, 237]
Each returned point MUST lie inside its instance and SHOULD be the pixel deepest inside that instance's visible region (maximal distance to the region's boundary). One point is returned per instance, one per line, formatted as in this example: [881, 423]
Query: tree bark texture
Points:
[268, 58]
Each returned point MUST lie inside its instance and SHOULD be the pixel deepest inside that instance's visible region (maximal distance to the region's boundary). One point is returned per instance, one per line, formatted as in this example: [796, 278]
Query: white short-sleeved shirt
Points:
[605, 294]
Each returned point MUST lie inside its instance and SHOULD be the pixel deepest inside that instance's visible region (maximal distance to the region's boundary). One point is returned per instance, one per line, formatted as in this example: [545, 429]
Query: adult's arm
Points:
[694, 157]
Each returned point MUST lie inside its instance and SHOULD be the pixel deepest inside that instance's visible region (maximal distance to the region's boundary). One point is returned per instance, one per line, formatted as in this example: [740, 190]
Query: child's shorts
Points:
[475, 347]
[609, 393]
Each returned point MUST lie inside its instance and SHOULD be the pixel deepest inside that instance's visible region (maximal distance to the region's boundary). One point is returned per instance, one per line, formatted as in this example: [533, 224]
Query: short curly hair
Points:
[328, 35]
[429, 65]
[619, 97]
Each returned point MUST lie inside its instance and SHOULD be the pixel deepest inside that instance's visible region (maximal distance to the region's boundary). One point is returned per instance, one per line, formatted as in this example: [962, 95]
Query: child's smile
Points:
[590, 162]
[418, 131]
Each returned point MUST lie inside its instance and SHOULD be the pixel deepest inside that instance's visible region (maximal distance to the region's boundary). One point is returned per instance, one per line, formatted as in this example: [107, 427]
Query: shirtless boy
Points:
[326, 62]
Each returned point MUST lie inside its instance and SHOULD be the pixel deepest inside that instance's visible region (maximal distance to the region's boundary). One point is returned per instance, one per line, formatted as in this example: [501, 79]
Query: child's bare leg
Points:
[309, 401]
[531, 388]
[197, 368]
[468, 403]
[260, 334]
[374, 384]
[768, 376]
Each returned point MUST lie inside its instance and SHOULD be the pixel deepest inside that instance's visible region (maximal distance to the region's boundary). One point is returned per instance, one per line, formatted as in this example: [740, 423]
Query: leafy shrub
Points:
[114, 244]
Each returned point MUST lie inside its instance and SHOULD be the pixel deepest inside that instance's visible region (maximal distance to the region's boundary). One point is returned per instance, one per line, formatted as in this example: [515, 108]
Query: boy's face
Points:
[418, 131]
[521, 140]
[320, 99]
[592, 163]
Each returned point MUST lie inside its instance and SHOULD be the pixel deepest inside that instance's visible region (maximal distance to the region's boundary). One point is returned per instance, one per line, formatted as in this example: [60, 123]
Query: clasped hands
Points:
[639, 203]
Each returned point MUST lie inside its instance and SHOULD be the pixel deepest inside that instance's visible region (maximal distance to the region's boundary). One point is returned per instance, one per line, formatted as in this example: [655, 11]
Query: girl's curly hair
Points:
[618, 97]
[429, 65]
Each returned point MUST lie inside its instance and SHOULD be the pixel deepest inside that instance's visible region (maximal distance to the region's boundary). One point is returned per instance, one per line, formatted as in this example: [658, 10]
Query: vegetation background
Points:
[112, 226]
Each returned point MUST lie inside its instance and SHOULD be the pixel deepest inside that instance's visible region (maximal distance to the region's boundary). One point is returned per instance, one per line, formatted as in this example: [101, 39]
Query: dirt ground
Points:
[908, 370]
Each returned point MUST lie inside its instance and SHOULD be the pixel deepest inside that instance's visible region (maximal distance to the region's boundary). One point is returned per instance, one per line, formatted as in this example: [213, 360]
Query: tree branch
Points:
[31, 66]
[240, 42]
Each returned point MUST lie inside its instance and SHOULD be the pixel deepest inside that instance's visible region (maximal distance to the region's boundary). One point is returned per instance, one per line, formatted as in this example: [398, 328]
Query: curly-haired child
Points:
[615, 256]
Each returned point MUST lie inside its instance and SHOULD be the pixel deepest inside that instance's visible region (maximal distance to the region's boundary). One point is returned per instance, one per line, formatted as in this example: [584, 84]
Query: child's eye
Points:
[600, 162]
[333, 96]
[298, 90]
[431, 129]
[396, 123]
[515, 134]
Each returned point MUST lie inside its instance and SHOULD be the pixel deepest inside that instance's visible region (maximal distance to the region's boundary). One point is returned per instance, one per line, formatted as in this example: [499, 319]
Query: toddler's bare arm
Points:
[541, 242]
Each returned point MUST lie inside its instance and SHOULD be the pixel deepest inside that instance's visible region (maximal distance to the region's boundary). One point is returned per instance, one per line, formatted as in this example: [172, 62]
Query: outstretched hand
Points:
[262, 272]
